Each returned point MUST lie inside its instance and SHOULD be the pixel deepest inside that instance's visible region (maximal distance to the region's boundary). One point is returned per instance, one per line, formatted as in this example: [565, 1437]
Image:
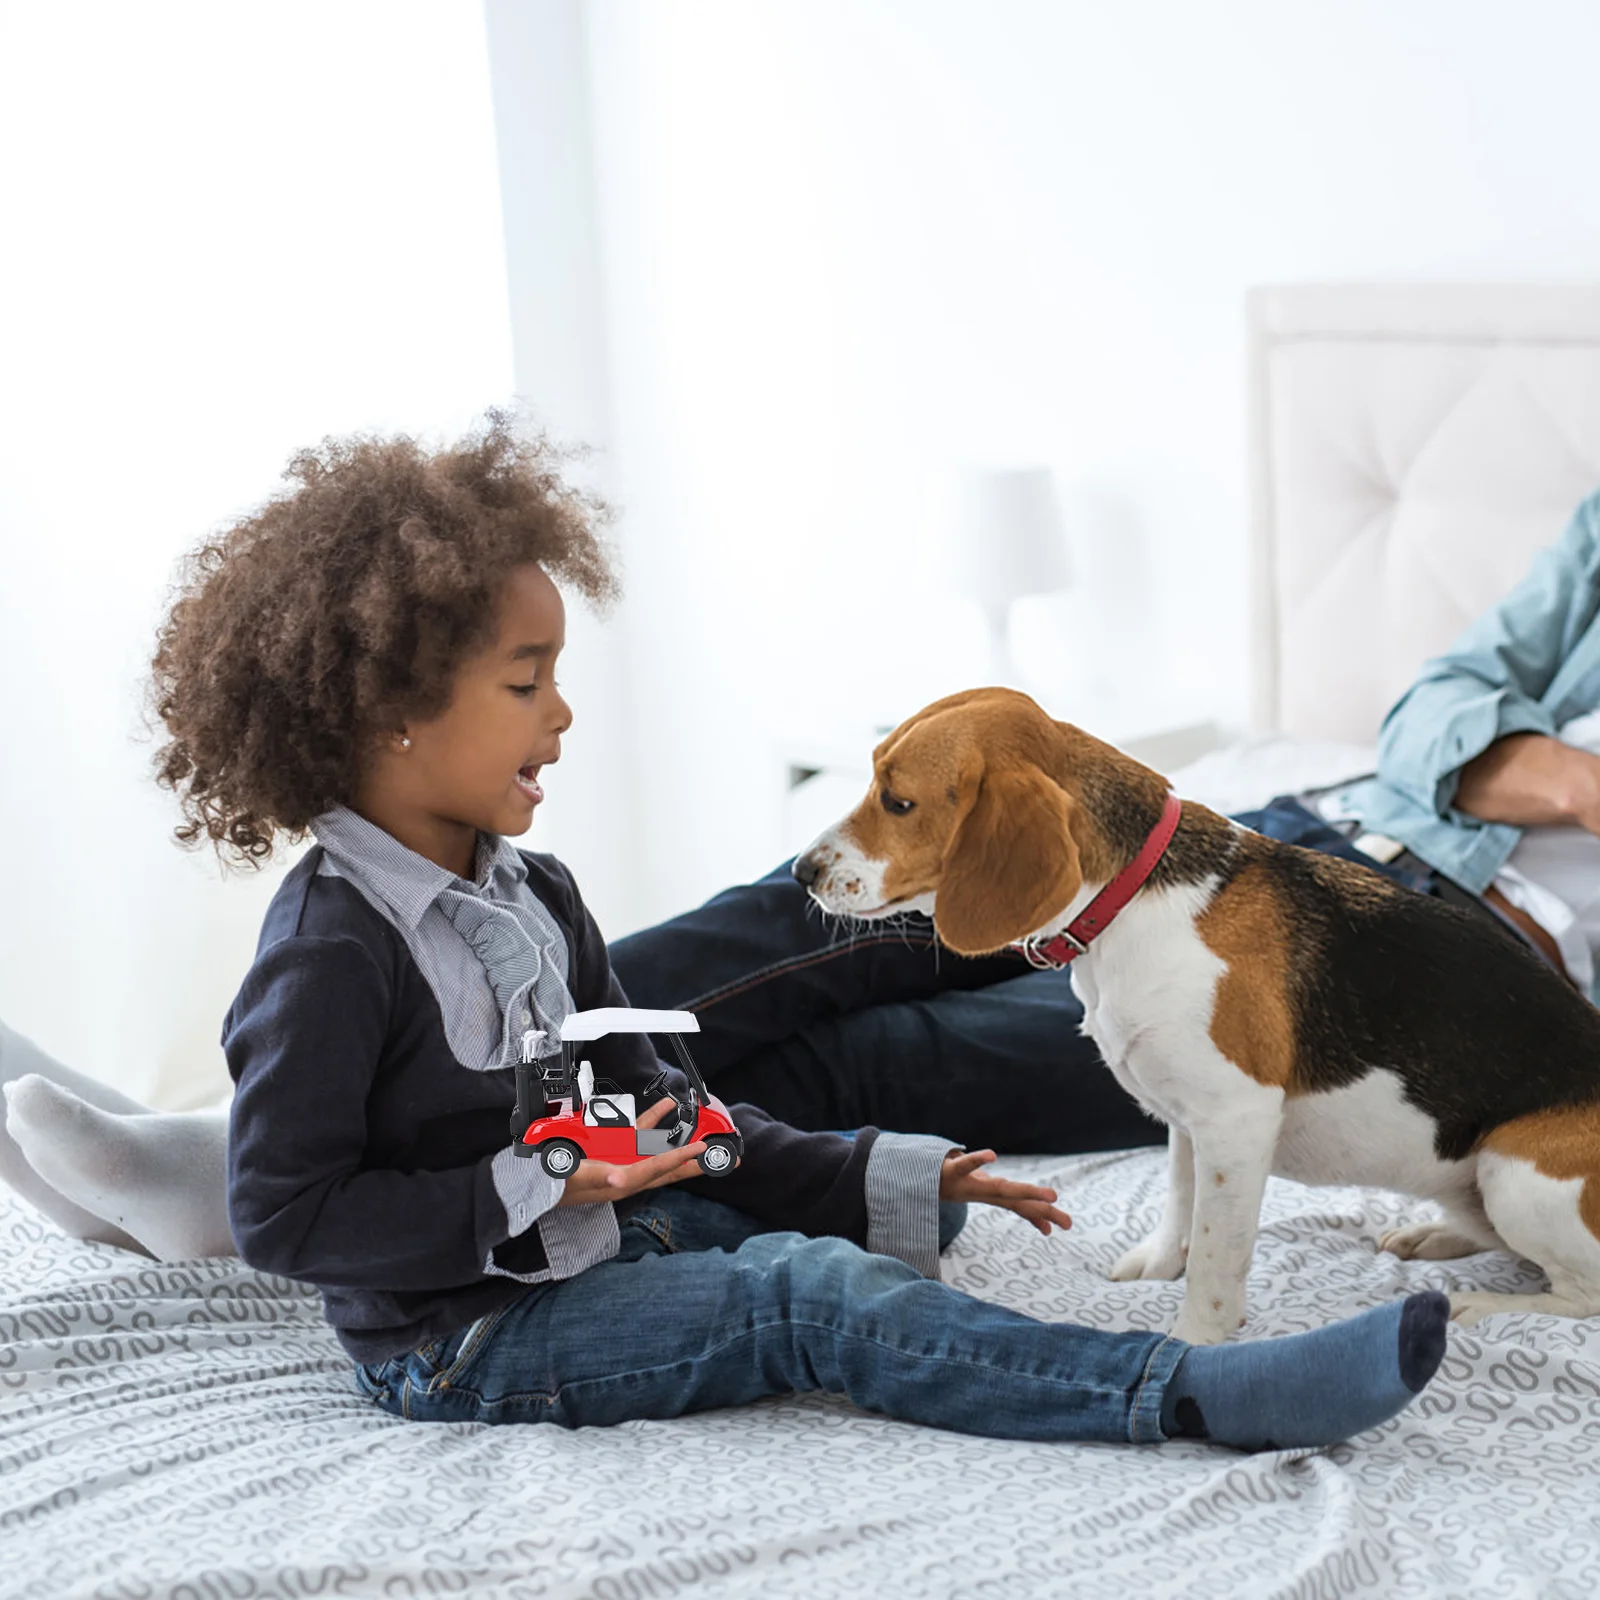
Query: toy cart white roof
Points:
[626, 1019]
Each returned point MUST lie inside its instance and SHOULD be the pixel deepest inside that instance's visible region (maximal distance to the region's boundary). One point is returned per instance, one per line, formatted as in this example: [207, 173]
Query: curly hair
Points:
[343, 606]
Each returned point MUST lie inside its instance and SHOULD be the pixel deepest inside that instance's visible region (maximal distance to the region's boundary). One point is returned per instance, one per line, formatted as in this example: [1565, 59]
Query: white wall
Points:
[227, 231]
[850, 246]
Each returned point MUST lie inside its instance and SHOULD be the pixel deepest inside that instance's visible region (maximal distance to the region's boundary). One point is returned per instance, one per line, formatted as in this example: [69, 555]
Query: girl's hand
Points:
[960, 1179]
[594, 1181]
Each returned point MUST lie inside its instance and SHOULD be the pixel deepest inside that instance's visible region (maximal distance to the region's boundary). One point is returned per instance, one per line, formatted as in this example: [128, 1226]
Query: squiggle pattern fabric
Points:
[189, 1430]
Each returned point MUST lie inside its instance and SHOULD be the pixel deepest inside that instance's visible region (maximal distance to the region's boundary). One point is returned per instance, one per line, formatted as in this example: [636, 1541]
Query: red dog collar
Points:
[1062, 948]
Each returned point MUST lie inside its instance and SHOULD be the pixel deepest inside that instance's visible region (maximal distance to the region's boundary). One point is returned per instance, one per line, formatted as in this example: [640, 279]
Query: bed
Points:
[189, 1429]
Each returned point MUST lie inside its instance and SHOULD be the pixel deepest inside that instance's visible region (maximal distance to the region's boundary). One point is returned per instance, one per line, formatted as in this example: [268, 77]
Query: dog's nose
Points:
[805, 870]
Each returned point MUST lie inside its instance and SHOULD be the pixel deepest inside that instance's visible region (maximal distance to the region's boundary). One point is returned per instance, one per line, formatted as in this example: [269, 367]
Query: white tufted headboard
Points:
[1412, 447]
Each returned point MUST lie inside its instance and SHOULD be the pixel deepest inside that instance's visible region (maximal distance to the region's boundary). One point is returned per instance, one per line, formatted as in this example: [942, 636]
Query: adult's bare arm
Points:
[1529, 779]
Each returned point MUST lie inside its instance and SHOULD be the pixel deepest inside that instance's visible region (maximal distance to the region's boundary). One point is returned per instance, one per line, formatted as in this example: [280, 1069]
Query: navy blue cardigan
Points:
[359, 1149]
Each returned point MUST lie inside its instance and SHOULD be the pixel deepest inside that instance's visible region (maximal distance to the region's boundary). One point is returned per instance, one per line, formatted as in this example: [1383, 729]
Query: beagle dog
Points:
[1282, 1011]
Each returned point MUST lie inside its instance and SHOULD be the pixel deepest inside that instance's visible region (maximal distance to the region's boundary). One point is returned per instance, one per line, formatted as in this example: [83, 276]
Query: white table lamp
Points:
[1012, 544]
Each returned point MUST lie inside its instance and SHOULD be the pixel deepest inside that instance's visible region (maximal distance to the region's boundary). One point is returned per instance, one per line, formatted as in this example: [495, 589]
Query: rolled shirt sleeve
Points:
[574, 1238]
[1527, 665]
[526, 1190]
[1497, 678]
[902, 1189]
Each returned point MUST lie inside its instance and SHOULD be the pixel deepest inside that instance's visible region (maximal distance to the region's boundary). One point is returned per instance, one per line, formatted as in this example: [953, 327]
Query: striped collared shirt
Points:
[405, 887]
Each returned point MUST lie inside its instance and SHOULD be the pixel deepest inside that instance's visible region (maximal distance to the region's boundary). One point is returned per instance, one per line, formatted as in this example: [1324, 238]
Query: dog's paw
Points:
[1428, 1241]
[1151, 1258]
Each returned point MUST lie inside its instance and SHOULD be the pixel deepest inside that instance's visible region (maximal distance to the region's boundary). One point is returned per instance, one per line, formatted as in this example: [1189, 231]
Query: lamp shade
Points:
[1012, 539]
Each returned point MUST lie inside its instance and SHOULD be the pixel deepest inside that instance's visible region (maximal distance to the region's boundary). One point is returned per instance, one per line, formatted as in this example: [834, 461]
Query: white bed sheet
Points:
[189, 1429]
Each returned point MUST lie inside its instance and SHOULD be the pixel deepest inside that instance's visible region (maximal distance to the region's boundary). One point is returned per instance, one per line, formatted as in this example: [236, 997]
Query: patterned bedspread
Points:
[190, 1430]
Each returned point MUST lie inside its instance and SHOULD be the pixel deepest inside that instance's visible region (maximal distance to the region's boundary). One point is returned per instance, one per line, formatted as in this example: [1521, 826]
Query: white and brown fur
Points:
[1283, 1011]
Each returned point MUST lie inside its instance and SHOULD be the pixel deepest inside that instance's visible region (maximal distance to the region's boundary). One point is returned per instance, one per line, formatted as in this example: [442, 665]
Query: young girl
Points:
[371, 658]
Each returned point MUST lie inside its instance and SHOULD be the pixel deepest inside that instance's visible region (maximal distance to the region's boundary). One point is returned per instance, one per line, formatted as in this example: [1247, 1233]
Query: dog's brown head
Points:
[976, 815]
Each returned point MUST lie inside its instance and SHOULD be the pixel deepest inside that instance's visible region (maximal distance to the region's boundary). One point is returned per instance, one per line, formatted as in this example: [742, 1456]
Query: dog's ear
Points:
[1011, 864]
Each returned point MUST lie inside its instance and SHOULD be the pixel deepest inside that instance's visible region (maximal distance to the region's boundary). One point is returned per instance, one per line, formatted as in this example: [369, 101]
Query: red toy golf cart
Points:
[587, 1116]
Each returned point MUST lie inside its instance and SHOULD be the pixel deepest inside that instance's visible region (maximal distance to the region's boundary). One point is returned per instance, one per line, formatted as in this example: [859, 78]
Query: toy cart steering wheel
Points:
[653, 1091]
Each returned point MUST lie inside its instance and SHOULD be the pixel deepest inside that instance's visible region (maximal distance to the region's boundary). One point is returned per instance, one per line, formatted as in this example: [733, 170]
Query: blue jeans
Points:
[702, 1309]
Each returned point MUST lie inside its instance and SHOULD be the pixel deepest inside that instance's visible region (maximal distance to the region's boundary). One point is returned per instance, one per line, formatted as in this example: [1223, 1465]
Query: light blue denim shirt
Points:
[1527, 665]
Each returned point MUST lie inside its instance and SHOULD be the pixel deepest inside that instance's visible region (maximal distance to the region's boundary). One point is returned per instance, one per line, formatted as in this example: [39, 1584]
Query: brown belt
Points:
[1538, 935]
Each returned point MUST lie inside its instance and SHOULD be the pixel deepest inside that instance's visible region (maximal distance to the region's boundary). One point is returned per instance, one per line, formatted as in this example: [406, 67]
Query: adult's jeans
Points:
[829, 1026]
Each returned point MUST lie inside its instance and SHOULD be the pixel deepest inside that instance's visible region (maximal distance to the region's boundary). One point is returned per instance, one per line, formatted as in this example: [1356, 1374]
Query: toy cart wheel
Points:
[560, 1157]
[718, 1156]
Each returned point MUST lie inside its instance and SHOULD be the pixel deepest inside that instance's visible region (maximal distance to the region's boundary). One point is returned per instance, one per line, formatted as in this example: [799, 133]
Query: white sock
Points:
[103, 1167]
[20, 1056]
[161, 1177]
